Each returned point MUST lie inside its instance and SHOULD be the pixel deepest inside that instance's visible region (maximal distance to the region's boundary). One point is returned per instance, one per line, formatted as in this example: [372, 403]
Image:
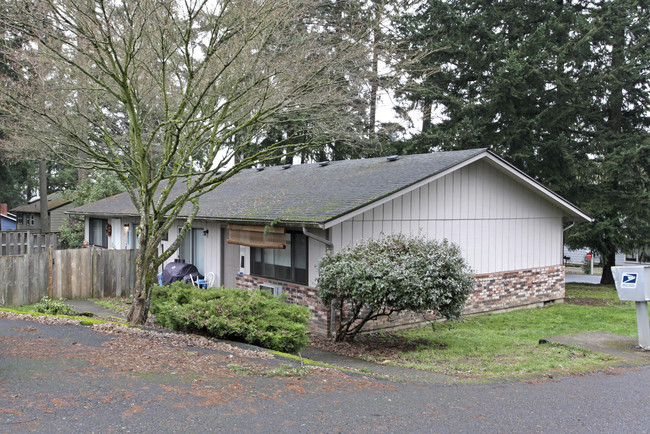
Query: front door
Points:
[192, 250]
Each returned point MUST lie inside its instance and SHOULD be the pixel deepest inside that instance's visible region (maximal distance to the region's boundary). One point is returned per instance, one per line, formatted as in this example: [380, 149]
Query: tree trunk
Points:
[426, 115]
[615, 124]
[145, 273]
[610, 260]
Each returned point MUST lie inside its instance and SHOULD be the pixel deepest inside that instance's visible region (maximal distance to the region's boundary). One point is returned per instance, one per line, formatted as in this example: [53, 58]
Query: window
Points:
[130, 240]
[193, 248]
[97, 236]
[288, 264]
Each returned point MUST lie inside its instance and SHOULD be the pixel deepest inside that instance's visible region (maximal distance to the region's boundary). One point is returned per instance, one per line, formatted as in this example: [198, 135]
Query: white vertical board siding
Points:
[316, 251]
[499, 223]
[212, 250]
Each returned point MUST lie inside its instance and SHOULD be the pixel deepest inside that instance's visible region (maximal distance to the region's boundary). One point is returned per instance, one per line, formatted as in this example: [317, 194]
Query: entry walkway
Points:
[93, 308]
[396, 373]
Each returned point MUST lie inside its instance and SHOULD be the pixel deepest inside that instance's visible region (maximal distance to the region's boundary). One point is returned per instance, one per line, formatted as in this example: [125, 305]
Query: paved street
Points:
[73, 379]
[583, 278]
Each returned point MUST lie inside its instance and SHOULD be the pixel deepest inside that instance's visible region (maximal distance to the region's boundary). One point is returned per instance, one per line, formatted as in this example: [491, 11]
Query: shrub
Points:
[391, 275]
[254, 317]
[72, 233]
[54, 307]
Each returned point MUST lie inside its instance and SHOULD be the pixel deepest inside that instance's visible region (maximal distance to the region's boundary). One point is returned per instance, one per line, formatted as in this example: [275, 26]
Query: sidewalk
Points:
[395, 373]
[93, 308]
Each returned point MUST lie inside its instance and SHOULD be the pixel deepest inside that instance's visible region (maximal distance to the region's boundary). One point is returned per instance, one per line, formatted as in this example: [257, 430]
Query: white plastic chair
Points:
[210, 279]
[204, 283]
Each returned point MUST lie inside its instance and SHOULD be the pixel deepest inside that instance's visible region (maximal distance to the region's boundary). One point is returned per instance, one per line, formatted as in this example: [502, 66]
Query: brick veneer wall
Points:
[498, 291]
[492, 292]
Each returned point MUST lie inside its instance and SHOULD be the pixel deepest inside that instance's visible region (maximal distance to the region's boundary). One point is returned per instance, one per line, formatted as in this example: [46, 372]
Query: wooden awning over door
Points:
[257, 236]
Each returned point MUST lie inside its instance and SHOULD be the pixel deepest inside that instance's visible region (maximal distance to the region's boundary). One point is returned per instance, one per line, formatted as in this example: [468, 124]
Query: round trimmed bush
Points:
[394, 274]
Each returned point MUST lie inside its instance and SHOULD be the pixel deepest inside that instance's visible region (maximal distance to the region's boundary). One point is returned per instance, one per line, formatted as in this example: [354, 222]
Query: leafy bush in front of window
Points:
[254, 317]
[394, 274]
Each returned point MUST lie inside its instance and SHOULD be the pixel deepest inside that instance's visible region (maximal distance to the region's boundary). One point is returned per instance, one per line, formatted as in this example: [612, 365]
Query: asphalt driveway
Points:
[73, 379]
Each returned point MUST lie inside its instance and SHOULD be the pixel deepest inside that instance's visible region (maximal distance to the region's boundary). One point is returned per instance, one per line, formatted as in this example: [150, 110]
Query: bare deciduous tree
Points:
[164, 93]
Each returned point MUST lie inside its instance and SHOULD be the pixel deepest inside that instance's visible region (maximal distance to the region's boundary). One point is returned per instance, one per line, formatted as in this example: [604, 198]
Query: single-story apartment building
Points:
[577, 256]
[28, 216]
[508, 226]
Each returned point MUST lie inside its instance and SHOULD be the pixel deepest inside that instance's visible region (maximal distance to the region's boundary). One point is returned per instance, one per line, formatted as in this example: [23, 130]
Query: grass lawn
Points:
[499, 345]
[31, 310]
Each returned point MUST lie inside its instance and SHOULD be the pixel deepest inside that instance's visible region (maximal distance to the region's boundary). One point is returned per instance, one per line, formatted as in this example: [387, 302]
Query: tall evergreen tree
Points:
[615, 101]
[558, 87]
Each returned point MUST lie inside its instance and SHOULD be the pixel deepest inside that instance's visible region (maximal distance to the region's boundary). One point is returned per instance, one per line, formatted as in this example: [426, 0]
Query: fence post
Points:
[93, 264]
[29, 245]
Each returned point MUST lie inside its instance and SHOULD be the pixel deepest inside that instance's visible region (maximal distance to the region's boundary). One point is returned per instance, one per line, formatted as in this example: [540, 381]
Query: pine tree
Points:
[558, 88]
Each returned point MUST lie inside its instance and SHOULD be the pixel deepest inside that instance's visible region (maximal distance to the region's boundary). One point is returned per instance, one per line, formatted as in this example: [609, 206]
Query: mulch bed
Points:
[373, 346]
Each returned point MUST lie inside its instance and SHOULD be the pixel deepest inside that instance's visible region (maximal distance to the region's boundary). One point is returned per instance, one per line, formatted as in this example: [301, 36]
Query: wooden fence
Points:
[23, 242]
[80, 273]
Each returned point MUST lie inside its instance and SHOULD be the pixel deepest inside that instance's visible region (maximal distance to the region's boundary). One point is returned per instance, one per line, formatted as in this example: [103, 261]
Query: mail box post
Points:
[643, 324]
[633, 284]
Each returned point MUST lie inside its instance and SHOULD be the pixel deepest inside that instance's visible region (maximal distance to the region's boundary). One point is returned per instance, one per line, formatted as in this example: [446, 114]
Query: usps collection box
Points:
[632, 282]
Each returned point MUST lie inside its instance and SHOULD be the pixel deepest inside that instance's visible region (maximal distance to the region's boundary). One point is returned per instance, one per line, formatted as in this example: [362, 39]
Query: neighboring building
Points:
[577, 257]
[7, 220]
[28, 217]
[508, 226]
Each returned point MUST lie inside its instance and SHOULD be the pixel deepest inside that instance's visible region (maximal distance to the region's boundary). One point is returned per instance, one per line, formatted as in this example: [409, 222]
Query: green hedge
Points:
[254, 317]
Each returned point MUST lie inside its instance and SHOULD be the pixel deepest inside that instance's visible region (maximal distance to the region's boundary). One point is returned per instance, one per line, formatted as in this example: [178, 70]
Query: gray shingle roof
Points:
[305, 193]
[54, 200]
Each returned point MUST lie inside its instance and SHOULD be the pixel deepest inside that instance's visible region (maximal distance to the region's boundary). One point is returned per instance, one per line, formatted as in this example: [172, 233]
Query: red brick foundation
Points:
[493, 292]
[499, 291]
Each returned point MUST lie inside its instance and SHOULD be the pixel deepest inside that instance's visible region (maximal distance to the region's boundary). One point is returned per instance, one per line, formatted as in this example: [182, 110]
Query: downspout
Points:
[563, 231]
[325, 241]
[329, 246]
